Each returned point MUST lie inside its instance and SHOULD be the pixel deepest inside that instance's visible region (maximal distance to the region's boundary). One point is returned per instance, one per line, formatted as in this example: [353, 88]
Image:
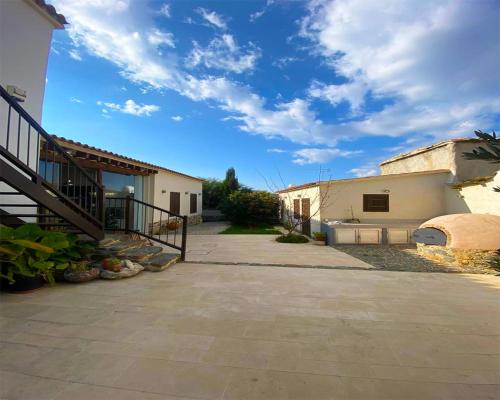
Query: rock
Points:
[129, 269]
[161, 262]
[81, 276]
[127, 245]
[141, 253]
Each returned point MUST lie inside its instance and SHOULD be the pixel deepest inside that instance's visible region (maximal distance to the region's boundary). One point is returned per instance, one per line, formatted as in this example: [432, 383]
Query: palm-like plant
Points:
[490, 152]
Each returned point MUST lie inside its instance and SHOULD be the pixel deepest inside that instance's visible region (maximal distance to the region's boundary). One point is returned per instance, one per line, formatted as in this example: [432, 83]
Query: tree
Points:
[231, 181]
[291, 220]
[214, 193]
[257, 208]
[490, 153]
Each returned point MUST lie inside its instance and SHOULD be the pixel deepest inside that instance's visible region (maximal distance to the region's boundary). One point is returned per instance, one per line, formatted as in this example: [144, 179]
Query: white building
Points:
[57, 182]
[412, 188]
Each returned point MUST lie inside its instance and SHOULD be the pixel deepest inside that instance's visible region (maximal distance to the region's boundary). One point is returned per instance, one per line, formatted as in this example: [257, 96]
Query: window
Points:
[193, 203]
[376, 203]
[175, 202]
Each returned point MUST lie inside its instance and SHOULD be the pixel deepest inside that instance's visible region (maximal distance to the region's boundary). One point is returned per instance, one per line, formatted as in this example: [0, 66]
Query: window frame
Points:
[368, 199]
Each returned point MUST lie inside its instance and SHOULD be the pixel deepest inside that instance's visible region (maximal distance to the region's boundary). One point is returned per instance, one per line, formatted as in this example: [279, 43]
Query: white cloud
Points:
[157, 38]
[75, 55]
[224, 53]
[177, 118]
[276, 151]
[256, 15]
[130, 107]
[435, 61]
[319, 156]
[212, 18]
[284, 61]
[353, 92]
[165, 10]
[75, 100]
[368, 169]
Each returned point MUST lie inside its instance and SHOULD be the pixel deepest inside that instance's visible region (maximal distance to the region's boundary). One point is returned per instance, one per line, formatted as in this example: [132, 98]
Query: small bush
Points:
[319, 236]
[252, 208]
[292, 238]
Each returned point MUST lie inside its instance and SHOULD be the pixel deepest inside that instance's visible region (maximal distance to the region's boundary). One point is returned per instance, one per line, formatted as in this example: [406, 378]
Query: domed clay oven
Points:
[461, 239]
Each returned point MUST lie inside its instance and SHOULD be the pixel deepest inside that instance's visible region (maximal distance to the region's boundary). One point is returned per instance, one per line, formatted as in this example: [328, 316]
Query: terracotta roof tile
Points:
[51, 10]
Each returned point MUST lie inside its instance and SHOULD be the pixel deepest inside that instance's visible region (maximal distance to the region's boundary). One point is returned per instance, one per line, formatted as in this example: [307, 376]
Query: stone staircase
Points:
[140, 251]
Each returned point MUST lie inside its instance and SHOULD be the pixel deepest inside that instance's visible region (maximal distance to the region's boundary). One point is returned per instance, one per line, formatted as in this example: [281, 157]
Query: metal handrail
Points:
[139, 218]
[42, 132]
[90, 199]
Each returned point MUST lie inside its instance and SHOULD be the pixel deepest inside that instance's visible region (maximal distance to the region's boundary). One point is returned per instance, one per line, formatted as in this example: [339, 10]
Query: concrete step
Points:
[140, 254]
[161, 262]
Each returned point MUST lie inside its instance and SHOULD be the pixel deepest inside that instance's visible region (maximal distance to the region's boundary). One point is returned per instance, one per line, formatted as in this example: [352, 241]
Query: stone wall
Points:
[460, 257]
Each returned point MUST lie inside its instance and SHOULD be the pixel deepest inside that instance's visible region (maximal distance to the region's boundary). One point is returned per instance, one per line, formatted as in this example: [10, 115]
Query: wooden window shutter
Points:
[193, 203]
[175, 202]
[376, 203]
[296, 208]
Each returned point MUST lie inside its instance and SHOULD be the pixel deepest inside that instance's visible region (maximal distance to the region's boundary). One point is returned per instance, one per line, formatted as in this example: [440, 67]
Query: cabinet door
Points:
[345, 236]
[398, 236]
[367, 236]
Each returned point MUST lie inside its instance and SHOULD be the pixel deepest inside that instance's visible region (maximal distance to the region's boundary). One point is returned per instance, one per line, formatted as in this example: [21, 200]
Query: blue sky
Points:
[272, 88]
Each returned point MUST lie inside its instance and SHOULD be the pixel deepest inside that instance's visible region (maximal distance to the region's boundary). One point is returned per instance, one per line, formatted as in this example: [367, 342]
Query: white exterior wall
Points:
[438, 158]
[25, 37]
[448, 156]
[164, 181]
[480, 198]
[411, 198]
[313, 194]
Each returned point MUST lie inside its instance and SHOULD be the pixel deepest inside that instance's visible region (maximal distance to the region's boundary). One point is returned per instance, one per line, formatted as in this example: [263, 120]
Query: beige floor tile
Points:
[176, 378]
[265, 385]
[78, 391]
[82, 367]
[15, 386]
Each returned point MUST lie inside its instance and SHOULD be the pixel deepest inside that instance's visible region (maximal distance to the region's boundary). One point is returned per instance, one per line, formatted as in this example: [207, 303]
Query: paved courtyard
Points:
[200, 331]
[264, 250]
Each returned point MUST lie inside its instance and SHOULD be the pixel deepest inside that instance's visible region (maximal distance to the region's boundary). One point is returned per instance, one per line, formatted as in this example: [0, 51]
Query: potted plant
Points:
[28, 257]
[319, 238]
[112, 264]
[81, 271]
[173, 225]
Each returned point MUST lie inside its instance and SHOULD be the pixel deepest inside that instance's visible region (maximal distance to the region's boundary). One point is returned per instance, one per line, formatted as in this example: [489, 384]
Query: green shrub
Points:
[292, 238]
[30, 251]
[251, 208]
[319, 236]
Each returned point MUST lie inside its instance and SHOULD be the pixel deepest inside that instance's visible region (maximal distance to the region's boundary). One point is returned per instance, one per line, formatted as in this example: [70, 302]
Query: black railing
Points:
[134, 216]
[29, 147]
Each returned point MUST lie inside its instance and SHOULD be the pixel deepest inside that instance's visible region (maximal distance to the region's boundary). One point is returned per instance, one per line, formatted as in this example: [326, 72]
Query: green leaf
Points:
[10, 250]
[43, 265]
[33, 245]
[6, 232]
[62, 266]
[56, 240]
[29, 232]
[50, 278]
[22, 266]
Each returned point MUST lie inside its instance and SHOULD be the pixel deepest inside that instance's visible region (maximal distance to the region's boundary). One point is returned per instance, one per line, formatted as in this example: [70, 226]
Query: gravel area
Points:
[404, 258]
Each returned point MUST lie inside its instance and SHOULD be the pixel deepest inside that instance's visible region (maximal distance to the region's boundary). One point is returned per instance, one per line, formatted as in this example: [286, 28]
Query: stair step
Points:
[161, 262]
[127, 245]
[141, 254]
[111, 240]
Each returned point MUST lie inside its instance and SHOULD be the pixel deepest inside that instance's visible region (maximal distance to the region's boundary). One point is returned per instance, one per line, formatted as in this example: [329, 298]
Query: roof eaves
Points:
[61, 140]
[427, 148]
[59, 20]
